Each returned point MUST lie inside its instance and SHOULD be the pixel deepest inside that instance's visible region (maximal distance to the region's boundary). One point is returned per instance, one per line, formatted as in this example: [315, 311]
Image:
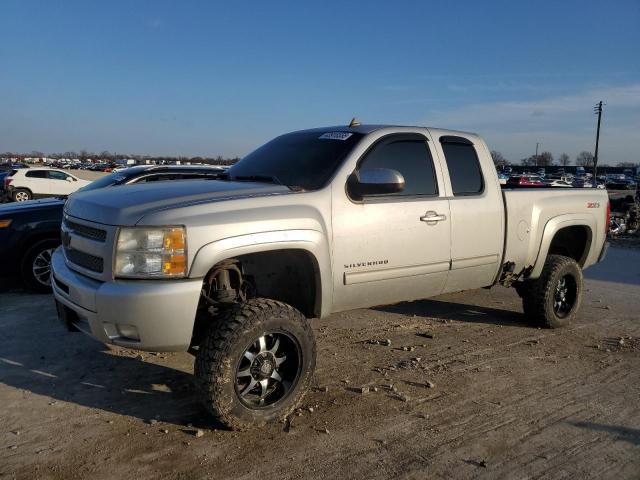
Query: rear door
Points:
[61, 183]
[385, 249]
[37, 181]
[477, 211]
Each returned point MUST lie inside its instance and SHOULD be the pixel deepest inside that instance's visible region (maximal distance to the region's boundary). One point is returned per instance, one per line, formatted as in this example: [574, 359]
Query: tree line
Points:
[111, 157]
[545, 159]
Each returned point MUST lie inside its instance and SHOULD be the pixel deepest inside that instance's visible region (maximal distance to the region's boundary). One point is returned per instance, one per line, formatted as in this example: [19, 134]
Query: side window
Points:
[37, 174]
[410, 157]
[55, 175]
[464, 168]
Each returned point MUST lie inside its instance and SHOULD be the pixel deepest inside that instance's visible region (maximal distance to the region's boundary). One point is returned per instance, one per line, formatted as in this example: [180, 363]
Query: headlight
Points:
[143, 252]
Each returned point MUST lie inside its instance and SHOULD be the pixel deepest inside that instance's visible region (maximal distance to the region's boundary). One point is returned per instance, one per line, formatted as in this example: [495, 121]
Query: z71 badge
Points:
[593, 205]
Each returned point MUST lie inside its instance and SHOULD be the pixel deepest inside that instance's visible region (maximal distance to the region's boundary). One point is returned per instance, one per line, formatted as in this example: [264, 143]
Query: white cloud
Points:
[562, 124]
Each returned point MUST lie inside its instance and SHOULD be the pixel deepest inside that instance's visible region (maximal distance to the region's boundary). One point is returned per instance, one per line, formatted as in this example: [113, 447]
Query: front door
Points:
[61, 183]
[392, 247]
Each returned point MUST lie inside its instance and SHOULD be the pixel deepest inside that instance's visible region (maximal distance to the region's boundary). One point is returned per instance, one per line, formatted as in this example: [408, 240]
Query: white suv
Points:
[25, 184]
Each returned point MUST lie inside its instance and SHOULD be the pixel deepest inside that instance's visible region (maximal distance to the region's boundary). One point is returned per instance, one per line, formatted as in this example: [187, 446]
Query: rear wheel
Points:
[553, 299]
[35, 267]
[21, 195]
[255, 363]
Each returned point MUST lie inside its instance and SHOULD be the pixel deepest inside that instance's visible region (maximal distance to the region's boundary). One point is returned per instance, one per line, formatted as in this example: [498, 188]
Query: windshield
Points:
[304, 160]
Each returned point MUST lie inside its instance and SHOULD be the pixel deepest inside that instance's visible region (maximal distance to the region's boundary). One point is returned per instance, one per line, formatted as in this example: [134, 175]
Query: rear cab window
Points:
[463, 165]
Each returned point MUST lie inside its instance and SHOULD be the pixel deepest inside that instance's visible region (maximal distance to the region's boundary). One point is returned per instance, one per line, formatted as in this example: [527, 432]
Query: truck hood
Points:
[127, 204]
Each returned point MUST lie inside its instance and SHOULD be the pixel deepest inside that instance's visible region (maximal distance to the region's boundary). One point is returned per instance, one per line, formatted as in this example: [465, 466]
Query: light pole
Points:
[536, 157]
[598, 111]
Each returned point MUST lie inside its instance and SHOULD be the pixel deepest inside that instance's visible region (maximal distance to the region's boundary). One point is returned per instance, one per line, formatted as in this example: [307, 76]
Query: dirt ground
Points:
[467, 389]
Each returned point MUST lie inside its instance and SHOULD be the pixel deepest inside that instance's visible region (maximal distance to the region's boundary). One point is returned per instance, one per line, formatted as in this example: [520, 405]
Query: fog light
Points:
[128, 331]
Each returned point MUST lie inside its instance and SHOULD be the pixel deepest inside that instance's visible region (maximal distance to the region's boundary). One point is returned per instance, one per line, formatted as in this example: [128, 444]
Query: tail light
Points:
[608, 218]
[7, 181]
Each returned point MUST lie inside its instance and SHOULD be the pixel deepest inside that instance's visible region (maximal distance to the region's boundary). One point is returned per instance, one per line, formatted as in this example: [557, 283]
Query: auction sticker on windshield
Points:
[335, 136]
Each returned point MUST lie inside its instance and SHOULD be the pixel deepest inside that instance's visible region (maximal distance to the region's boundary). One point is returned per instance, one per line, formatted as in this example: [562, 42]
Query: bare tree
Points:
[529, 161]
[585, 159]
[628, 164]
[563, 159]
[545, 159]
[498, 159]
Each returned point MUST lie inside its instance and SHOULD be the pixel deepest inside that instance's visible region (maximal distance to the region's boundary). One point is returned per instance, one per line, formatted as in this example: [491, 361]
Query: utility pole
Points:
[598, 111]
[536, 157]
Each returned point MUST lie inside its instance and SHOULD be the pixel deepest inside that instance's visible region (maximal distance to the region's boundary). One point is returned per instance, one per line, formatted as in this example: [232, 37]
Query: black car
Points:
[30, 231]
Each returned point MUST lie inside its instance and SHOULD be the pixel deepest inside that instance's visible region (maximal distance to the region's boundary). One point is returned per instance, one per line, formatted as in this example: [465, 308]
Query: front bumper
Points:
[155, 315]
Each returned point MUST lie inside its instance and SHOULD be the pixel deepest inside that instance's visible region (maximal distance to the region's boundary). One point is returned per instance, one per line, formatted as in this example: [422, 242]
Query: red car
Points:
[525, 181]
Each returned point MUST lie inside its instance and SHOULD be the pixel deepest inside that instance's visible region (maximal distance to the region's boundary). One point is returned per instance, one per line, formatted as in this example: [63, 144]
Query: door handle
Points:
[432, 217]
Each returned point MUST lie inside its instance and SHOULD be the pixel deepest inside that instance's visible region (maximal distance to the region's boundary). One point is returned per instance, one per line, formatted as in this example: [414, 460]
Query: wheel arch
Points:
[568, 235]
[301, 254]
[17, 189]
[36, 237]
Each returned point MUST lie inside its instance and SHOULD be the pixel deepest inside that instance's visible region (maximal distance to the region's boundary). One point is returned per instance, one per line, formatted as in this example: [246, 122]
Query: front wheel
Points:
[256, 363]
[553, 299]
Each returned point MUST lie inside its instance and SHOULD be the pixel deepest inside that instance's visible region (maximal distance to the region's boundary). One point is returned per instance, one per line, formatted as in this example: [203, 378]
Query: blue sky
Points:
[208, 78]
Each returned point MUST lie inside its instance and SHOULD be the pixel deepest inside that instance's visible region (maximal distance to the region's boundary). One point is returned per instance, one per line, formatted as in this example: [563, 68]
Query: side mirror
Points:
[374, 181]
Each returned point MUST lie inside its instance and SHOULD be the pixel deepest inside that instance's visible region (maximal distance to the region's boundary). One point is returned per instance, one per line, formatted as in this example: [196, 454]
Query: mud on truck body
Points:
[312, 223]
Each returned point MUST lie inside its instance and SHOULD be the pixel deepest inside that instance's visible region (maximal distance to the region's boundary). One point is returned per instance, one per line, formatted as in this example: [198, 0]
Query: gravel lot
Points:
[467, 389]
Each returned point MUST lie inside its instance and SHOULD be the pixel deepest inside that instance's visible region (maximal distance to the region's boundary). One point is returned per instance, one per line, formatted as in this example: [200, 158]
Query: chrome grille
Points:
[84, 260]
[85, 231]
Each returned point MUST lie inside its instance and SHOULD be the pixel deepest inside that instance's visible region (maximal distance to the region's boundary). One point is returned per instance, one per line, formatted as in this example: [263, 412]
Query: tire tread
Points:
[535, 298]
[213, 356]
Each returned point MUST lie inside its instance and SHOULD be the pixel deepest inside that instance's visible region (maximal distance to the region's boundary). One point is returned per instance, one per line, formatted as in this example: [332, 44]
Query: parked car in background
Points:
[586, 182]
[558, 183]
[502, 178]
[620, 182]
[3, 194]
[23, 185]
[12, 166]
[525, 181]
[30, 231]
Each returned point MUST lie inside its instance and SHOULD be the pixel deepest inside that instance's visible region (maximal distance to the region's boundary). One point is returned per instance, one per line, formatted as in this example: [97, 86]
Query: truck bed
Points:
[534, 216]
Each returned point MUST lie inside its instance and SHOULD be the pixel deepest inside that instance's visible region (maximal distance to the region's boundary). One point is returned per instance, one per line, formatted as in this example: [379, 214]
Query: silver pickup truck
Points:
[312, 223]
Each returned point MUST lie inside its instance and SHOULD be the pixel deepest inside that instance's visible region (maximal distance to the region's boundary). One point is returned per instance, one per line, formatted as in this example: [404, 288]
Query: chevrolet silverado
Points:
[313, 222]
